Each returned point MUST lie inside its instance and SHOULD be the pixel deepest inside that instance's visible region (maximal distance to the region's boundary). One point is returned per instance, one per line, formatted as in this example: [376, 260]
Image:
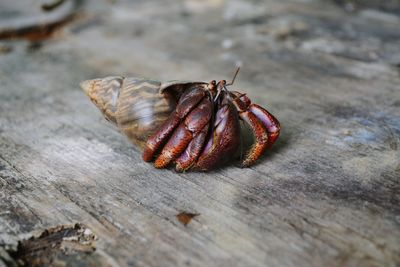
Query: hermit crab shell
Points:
[138, 106]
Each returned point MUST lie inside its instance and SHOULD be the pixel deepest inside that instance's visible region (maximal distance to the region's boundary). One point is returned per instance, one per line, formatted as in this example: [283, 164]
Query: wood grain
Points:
[327, 194]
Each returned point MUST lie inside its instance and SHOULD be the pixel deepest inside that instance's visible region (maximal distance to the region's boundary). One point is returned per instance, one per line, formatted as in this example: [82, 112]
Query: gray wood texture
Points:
[327, 194]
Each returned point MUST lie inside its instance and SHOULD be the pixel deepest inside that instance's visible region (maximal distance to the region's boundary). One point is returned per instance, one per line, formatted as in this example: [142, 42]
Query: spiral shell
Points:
[138, 106]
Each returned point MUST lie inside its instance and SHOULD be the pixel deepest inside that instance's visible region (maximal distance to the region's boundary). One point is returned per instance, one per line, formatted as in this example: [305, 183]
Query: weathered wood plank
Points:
[327, 194]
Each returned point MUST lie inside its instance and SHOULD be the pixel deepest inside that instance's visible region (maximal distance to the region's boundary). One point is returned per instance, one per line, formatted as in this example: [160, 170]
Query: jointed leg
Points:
[193, 125]
[261, 138]
[188, 101]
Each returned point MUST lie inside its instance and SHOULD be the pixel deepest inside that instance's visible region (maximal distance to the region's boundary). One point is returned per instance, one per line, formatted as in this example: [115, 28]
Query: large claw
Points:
[224, 140]
[187, 102]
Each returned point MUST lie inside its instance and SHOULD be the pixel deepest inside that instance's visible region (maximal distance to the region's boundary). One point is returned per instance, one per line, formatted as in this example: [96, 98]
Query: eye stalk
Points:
[212, 87]
[221, 84]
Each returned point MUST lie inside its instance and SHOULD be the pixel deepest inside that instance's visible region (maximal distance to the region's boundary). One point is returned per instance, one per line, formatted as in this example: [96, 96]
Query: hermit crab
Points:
[194, 125]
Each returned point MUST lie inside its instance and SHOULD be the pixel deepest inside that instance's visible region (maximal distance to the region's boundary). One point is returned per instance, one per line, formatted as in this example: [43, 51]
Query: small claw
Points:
[261, 135]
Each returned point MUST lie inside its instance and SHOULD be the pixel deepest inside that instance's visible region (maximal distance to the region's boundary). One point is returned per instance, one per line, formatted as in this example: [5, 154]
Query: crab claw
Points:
[263, 124]
[223, 141]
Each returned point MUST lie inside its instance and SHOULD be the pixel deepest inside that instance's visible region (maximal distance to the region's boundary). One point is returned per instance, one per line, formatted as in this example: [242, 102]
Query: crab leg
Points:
[156, 140]
[224, 140]
[265, 129]
[187, 102]
[193, 150]
[261, 136]
[193, 125]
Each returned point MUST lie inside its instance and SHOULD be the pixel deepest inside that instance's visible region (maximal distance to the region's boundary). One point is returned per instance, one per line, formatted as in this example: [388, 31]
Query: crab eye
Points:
[213, 82]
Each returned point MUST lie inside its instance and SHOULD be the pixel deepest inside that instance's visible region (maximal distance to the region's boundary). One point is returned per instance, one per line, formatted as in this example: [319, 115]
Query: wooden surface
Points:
[327, 194]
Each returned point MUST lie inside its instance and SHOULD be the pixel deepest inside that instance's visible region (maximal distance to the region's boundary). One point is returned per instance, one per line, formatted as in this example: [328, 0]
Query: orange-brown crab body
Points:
[202, 130]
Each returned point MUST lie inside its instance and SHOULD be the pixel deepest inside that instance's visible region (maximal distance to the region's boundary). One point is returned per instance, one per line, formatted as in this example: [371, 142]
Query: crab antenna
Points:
[234, 77]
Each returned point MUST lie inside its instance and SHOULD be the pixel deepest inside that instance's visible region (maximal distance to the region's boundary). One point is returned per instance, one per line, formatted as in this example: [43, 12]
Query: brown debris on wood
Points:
[36, 32]
[55, 243]
[186, 217]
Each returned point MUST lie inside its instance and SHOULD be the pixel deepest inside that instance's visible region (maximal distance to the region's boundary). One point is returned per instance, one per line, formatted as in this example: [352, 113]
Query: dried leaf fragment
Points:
[186, 217]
